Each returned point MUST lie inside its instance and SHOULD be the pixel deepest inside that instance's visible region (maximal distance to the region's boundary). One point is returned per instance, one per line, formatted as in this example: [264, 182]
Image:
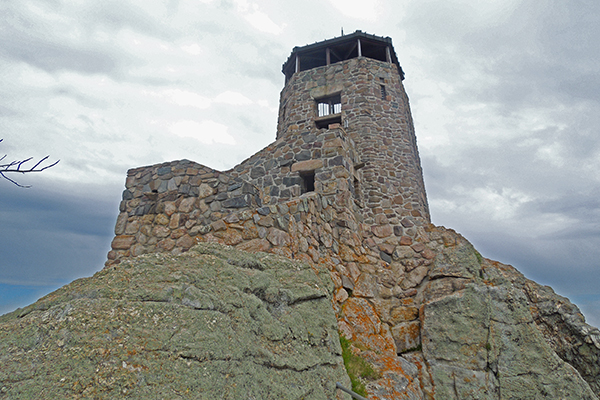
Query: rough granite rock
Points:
[213, 323]
[481, 340]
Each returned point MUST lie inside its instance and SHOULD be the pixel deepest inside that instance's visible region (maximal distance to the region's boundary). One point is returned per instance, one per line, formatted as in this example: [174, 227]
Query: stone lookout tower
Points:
[356, 81]
[344, 170]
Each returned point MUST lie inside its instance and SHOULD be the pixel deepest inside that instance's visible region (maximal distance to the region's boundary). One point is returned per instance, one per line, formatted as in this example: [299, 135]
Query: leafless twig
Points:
[18, 166]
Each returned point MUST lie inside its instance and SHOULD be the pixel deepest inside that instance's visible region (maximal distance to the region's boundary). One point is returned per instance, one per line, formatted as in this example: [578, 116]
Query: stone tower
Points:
[356, 81]
[345, 143]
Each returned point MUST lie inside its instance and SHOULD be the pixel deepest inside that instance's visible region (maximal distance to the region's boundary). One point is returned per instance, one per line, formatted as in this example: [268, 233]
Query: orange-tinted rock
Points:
[361, 315]
[166, 244]
[254, 245]
[403, 314]
[122, 242]
[186, 241]
[407, 335]
[428, 254]
[231, 237]
[308, 165]
[405, 240]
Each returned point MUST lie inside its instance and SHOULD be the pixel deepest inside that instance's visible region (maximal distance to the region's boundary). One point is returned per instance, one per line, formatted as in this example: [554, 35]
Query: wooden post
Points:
[328, 56]
[359, 49]
[297, 62]
[388, 55]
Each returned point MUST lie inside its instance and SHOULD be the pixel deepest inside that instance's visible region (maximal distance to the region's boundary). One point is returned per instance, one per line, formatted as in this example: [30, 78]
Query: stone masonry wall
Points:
[375, 267]
[391, 177]
[166, 207]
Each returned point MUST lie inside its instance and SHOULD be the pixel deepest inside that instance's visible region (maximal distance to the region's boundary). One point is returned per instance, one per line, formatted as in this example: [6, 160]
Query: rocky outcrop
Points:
[562, 325]
[436, 322]
[213, 323]
[481, 336]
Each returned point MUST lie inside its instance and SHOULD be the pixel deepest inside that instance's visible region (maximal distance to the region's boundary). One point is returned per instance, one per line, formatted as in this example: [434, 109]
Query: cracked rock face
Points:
[481, 340]
[212, 323]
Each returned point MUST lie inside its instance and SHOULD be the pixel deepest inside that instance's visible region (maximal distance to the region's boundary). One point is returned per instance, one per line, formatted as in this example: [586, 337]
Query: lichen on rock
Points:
[213, 323]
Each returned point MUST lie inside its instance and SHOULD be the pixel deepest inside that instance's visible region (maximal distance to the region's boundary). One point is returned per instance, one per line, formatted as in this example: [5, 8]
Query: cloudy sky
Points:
[505, 96]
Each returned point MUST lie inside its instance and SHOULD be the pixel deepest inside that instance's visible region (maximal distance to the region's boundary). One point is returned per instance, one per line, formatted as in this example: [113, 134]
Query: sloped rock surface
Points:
[481, 339]
[213, 323]
[561, 323]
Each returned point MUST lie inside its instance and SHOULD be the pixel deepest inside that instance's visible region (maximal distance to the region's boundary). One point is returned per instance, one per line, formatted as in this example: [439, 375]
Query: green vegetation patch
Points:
[358, 369]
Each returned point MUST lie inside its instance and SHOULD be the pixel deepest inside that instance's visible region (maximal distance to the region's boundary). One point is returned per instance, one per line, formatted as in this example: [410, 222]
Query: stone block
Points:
[166, 244]
[278, 237]
[121, 223]
[303, 155]
[174, 221]
[418, 247]
[204, 190]
[382, 231]
[122, 242]
[236, 202]
[161, 231]
[405, 240]
[254, 245]
[218, 226]
[365, 286]
[407, 335]
[162, 219]
[403, 252]
[133, 227]
[414, 277]
[187, 204]
[385, 257]
[308, 165]
[257, 172]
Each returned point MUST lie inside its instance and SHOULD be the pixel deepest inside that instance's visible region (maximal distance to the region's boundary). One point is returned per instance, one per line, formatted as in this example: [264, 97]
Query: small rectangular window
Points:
[308, 181]
[329, 105]
[383, 92]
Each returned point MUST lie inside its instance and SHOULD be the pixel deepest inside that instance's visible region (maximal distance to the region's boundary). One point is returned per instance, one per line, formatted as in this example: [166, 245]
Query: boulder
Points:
[212, 323]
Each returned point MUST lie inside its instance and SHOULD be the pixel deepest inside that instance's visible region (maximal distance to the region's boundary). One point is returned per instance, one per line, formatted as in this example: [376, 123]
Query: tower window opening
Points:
[383, 92]
[356, 188]
[329, 111]
[329, 105]
[308, 182]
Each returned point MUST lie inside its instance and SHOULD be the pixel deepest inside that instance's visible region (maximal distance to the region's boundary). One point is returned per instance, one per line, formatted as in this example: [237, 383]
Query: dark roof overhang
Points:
[340, 49]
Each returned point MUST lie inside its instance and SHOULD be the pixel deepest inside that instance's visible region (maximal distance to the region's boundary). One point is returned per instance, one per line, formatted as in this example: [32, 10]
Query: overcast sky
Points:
[505, 96]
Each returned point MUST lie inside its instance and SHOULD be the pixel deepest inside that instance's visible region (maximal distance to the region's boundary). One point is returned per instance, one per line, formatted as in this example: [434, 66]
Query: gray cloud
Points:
[50, 237]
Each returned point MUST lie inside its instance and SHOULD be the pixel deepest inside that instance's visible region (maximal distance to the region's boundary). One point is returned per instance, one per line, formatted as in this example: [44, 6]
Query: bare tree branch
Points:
[17, 166]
